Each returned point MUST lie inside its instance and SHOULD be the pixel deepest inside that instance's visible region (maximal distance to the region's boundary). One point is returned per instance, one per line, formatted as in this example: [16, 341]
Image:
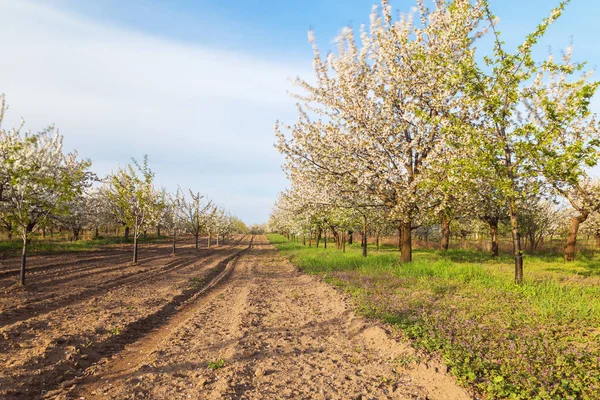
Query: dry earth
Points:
[280, 334]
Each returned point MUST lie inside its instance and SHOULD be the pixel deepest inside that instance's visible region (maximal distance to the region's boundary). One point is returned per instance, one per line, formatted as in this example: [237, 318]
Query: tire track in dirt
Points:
[81, 354]
[39, 308]
[145, 333]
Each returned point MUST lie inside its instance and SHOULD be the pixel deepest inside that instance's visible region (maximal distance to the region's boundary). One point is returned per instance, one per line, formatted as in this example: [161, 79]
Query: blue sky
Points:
[198, 85]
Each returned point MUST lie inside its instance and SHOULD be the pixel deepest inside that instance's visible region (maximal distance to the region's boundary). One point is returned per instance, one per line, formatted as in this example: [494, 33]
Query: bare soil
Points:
[104, 329]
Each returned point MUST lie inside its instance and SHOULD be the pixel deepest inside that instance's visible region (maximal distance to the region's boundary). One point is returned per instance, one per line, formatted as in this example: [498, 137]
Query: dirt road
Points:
[267, 331]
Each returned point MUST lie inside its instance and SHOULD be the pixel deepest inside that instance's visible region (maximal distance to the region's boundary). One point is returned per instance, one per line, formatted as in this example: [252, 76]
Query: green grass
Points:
[38, 245]
[540, 339]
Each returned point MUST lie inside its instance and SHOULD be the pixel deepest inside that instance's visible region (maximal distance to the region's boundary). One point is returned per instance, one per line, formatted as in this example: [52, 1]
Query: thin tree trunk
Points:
[364, 236]
[197, 238]
[126, 233]
[318, 237]
[406, 242]
[304, 240]
[310, 235]
[494, 236]
[158, 230]
[135, 249]
[350, 237]
[23, 258]
[174, 240]
[597, 240]
[343, 241]
[572, 238]
[209, 239]
[516, 239]
[377, 241]
[512, 210]
[217, 240]
[445, 223]
[463, 240]
[325, 238]
[96, 233]
[531, 241]
[400, 237]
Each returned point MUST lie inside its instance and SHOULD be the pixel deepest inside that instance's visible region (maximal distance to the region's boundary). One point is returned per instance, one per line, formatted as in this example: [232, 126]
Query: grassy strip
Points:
[537, 340]
[13, 248]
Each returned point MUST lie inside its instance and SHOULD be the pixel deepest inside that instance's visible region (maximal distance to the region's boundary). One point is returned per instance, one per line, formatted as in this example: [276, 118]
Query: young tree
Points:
[507, 142]
[132, 193]
[173, 215]
[98, 211]
[76, 218]
[196, 215]
[38, 179]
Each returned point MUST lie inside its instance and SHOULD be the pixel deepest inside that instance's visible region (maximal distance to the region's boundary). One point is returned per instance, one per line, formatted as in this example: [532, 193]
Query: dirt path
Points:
[280, 333]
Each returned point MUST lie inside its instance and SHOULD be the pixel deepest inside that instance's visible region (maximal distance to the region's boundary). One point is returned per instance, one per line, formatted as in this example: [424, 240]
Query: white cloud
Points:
[116, 93]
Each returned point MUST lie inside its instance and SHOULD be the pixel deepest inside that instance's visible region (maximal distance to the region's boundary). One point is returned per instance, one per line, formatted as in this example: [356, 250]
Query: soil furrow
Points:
[35, 309]
[48, 368]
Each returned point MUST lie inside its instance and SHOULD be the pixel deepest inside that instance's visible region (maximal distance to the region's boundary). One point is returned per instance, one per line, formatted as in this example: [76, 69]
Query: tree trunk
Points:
[531, 241]
[174, 240]
[343, 241]
[304, 240]
[406, 242]
[23, 258]
[96, 233]
[597, 240]
[494, 236]
[43, 233]
[209, 238]
[572, 238]
[400, 238]
[463, 240]
[350, 237]
[516, 239]
[318, 237]
[445, 233]
[325, 238]
[310, 235]
[158, 230]
[126, 233]
[364, 236]
[377, 241]
[135, 249]
[217, 240]
[197, 238]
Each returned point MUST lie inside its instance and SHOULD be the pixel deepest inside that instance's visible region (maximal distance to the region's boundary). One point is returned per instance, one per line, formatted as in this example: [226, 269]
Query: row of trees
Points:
[42, 186]
[541, 224]
[410, 122]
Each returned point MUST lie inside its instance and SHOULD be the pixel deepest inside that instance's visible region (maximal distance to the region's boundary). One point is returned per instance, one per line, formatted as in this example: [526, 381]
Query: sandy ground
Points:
[277, 332]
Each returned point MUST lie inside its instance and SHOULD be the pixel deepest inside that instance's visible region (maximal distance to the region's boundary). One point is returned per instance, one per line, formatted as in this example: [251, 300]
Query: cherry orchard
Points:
[405, 119]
